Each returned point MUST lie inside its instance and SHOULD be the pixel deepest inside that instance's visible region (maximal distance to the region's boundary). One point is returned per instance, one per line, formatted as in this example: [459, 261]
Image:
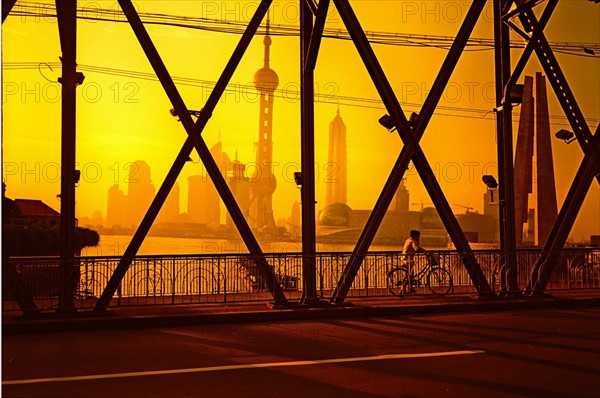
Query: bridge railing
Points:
[189, 279]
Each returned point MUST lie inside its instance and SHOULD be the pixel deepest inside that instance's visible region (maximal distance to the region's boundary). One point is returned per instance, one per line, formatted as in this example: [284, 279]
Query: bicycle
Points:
[438, 279]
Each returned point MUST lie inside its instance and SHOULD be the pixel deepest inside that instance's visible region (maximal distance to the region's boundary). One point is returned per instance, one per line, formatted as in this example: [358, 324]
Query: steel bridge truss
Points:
[312, 22]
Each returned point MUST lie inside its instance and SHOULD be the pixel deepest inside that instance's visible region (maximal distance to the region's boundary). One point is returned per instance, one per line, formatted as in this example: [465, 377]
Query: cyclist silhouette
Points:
[412, 247]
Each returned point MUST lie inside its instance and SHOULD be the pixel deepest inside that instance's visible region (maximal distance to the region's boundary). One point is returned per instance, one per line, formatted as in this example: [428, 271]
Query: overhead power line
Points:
[47, 10]
[286, 94]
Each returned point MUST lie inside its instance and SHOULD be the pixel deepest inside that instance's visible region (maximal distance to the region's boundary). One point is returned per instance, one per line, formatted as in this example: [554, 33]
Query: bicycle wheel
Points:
[398, 281]
[439, 281]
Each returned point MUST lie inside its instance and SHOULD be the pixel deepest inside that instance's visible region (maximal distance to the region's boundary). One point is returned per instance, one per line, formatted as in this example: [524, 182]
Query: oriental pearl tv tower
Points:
[263, 181]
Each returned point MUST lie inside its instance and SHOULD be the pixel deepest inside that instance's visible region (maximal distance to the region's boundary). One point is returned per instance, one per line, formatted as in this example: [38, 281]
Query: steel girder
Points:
[590, 166]
[66, 12]
[7, 6]
[508, 275]
[193, 140]
[309, 240]
[23, 297]
[411, 150]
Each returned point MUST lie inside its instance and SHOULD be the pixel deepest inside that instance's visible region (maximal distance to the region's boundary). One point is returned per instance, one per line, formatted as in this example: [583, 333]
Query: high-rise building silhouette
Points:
[116, 207]
[546, 204]
[239, 185]
[263, 182]
[547, 208]
[170, 209]
[203, 201]
[402, 202]
[523, 159]
[140, 193]
[490, 204]
[337, 170]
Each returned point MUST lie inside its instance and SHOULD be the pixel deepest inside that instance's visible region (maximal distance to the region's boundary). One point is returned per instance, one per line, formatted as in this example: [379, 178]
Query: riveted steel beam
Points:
[193, 140]
[66, 12]
[316, 36]
[410, 151]
[309, 245]
[7, 6]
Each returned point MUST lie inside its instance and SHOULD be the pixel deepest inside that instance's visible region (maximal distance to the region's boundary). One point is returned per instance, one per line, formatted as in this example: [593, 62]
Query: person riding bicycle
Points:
[411, 247]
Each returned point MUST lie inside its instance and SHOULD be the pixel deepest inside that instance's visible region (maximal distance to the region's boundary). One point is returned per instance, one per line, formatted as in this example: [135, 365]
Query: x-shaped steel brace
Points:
[542, 270]
[537, 41]
[411, 150]
[317, 34]
[590, 166]
[7, 6]
[193, 140]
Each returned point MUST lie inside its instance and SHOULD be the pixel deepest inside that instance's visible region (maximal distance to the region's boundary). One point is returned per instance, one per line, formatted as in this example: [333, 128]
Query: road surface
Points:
[528, 353]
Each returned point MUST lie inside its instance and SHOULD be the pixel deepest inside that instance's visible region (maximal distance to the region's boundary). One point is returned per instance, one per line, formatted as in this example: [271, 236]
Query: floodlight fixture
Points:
[412, 120]
[589, 51]
[387, 122]
[513, 94]
[298, 179]
[79, 78]
[490, 182]
[173, 113]
[565, 135]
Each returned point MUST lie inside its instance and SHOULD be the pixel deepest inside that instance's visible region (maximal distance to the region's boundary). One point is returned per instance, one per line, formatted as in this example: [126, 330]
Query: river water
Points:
[114, 245]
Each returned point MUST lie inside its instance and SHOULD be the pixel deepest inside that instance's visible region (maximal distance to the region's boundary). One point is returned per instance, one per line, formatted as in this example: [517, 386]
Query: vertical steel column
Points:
[589, 168]
[500, 82]
[309, 268]
[410, 150]
[194, 140]
[66, 12]
[508, 274]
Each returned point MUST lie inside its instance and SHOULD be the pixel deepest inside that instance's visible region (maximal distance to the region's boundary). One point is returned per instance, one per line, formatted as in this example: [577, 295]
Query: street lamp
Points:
[387, 122]
[173, 113]
[565, 135]
[298, 179]
[491, 184]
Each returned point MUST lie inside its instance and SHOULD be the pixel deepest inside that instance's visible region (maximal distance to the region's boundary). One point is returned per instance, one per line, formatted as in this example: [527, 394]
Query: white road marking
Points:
[240, 366]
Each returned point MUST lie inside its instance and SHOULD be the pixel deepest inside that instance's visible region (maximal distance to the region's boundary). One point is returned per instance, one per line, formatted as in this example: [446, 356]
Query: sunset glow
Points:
[123, 113]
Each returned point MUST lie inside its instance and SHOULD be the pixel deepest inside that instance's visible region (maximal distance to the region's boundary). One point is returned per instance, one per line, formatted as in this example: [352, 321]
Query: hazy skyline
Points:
[122, 117]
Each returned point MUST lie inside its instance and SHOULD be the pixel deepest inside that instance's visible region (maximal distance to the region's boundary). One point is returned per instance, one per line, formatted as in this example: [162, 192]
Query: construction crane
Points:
[421, 203]
[467, 207]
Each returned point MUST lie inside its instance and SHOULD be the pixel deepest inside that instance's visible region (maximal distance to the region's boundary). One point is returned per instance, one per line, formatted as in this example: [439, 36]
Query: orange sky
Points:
[123, 119]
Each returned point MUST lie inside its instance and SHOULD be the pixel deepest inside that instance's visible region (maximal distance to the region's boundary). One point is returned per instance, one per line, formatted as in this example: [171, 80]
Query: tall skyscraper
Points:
[203, 201]
[263, 181]
[547, 208]
[115, 211]
[523, 159]
[239, 185]
[402, 202]
[490, 204]
[337, 170]
[140, 192]
[170, 209]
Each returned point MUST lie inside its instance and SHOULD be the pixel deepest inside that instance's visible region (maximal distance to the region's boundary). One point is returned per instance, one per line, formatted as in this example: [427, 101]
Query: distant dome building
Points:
[335, 215]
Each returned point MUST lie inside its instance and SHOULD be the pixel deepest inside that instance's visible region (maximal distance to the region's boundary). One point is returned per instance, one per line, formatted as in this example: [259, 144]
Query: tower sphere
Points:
[265, 79]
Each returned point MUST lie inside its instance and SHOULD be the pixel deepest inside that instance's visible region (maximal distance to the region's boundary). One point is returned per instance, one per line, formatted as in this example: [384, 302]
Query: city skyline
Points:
[115, 127]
